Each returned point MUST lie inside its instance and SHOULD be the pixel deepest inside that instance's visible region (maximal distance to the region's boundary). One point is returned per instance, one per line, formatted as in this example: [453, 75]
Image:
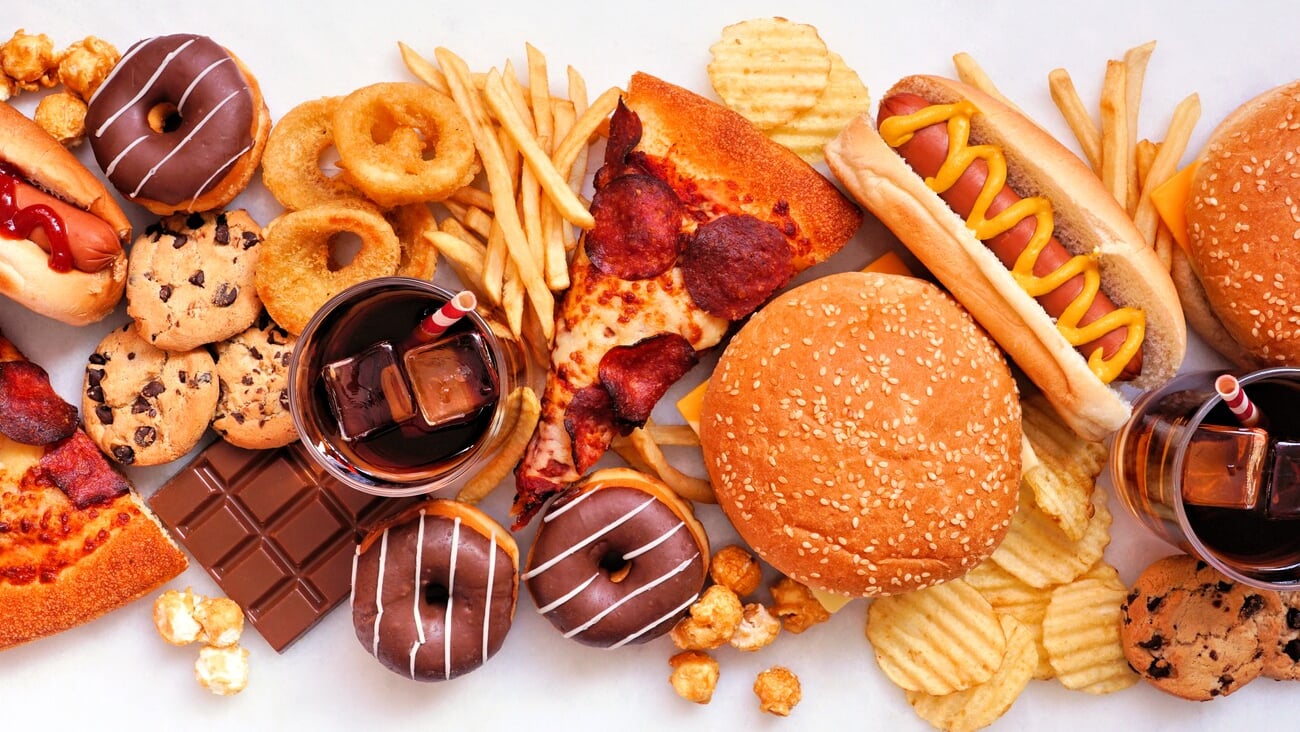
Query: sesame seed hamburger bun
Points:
[1244, 234]
[863, 435]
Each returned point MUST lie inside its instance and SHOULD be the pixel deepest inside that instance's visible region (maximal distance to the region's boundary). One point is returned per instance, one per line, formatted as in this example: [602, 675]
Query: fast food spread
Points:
[807, 401]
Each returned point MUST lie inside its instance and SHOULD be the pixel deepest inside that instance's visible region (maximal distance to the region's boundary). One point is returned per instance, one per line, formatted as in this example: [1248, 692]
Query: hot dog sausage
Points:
[926, 151]
[93, 242]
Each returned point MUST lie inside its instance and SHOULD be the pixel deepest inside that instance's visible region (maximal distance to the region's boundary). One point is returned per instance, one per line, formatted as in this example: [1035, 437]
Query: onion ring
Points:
[291, 163]
[382, 132]
[412, 223]
[293, 275]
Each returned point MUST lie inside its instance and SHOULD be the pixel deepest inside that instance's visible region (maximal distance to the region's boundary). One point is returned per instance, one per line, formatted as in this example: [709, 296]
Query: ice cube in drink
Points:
[452, 378]
[1284, 483]
[367, 392]
[1224, 467]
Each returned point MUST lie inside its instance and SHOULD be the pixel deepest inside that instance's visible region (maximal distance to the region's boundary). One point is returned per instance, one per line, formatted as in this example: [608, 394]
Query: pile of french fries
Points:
[511, 243]
[1131, 168]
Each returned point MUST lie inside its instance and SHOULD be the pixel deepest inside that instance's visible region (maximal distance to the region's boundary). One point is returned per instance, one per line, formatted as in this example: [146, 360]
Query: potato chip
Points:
[844, 98]
[1009, 595]
[938, 640]
[1066, 467]
[1036, 550]
[979, 706]
[769, 69]
[1082, 636]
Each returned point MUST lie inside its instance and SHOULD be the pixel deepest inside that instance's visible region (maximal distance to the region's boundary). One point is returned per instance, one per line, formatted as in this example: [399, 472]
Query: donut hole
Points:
[344, 247]
[164, 117]
[616, 566]
[436, 594]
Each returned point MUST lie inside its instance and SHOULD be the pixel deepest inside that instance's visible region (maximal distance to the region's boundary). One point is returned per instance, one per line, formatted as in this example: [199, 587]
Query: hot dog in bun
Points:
[1238, 274]
[1024, 236]
[61, 233]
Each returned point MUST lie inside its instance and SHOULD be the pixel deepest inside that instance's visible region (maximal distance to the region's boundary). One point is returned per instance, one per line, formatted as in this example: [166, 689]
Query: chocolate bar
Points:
[274, 530]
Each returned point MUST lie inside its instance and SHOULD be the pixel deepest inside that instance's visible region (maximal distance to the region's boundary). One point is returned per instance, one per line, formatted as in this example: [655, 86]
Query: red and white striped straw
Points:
[437, 323]
[1242, 407]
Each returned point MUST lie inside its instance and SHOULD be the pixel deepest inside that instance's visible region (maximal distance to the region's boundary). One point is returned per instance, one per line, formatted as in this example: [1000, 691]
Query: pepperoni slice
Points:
[30, 410]
[638, 225]
[637, 376]
[734, 263]
[589, 420]
[80, 470]
[624, 134]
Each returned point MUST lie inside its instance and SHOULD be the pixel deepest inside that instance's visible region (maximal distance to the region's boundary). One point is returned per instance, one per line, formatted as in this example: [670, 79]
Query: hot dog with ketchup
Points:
[1025, 236]
[61, 233]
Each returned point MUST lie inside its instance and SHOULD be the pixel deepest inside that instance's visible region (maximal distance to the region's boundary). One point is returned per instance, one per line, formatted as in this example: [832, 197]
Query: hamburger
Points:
[1239, 271]
[863, 435]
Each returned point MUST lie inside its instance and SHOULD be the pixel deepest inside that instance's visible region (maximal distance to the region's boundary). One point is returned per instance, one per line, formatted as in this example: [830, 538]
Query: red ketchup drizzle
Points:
[18, 223]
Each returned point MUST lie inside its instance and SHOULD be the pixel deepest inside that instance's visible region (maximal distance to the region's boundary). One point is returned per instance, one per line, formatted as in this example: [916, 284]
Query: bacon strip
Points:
[30, 411]
[637, 376]
[80, 470]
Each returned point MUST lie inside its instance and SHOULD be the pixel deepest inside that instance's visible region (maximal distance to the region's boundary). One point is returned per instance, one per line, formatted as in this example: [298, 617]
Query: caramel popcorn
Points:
[62, 115]
[222, 671]
[222, 621]
[778, 691]
[173, 616]
[84, 65]
[713, 620]
[737, 569]
[795, 604]
[758, 628]
[695, 676]
[29, 60]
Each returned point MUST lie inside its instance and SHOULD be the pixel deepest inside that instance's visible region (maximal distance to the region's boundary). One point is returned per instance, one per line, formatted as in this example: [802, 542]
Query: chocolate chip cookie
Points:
[1192, 632]
[190, 280]
[143, 405]
[1282, 657]
[253, 378]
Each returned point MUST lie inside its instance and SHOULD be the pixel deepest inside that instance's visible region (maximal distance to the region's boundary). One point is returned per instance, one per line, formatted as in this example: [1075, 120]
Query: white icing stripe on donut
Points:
[414, 647]
[598, 533]
[199, 191]
[649, 547]
[379, 591]
[568, 596]
[560, 511]
[447, 633]
[171, 153]
[634, 593]
[656, 623]
[180, 106]
[121, 64]
[113, 165]
[352, 595]
[415, 606]
[144, 89]
[487, 604]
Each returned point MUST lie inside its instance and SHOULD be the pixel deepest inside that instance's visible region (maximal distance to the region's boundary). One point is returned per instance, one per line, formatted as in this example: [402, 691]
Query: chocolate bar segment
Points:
[273, 529]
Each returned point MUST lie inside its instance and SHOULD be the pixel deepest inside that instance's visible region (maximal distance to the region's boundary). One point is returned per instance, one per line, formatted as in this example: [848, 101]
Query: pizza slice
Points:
[75, 540]
[699, 219]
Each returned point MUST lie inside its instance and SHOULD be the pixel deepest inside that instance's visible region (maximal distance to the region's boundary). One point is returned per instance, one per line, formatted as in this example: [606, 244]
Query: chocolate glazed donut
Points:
[173, 120]
[433, 594]
[617, 559]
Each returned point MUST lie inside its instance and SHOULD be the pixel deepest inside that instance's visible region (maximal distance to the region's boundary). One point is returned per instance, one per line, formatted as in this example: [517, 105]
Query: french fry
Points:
[423, 69]
[470, 217]
[1135, 71]
[500, 185]
[539, 92]
[555, 184]
[678, 435]
[1181, 124]
[971, 73]
[1115, 150]
[554, 253]
[1165, 246]
[522, 413]
[688, 487]
[565, 117]
[1144, 152]
[1076, 116]
[463, 255]
[471, 196]
[566, 153]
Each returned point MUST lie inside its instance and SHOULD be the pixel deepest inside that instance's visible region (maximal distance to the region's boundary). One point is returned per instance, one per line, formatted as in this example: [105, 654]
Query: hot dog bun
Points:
[75, 297]
[1240, 269]
[1087, 220]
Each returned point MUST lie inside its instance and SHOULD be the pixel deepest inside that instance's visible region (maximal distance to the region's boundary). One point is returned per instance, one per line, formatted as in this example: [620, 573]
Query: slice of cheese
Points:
[689, 406]
[1170, 200]
[833, 602]
[889, 263]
